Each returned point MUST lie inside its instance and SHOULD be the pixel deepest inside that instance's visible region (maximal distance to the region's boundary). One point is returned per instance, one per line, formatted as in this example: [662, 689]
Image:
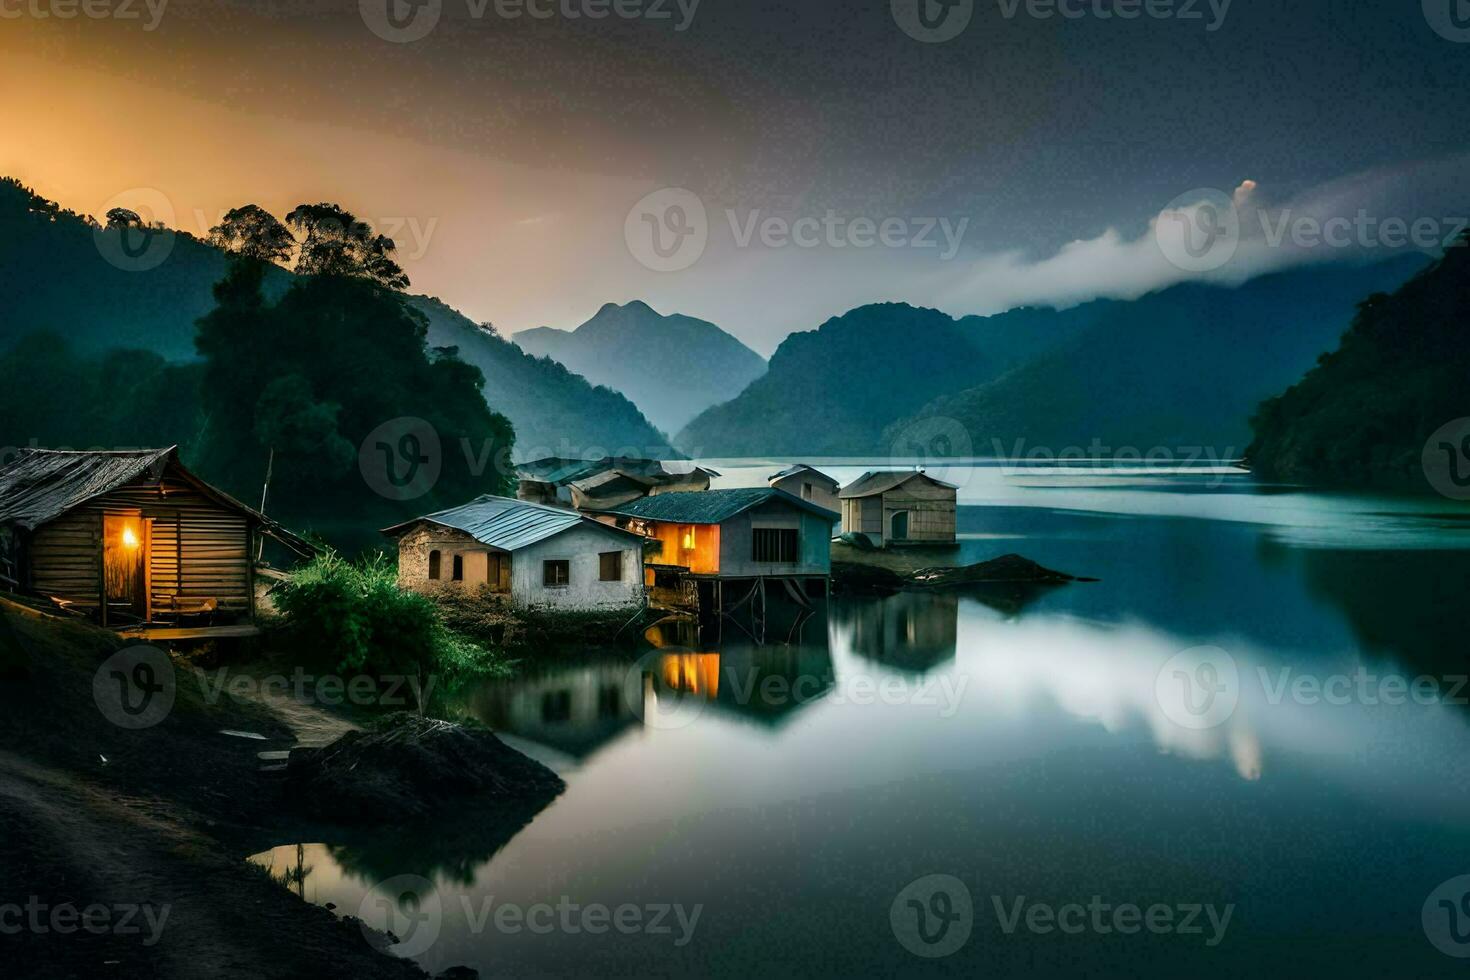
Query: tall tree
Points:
[253, 232]
[335, 242]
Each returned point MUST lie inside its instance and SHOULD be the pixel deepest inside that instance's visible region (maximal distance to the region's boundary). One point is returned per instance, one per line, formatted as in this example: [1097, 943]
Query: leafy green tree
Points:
[1402, 370]
[312, 375]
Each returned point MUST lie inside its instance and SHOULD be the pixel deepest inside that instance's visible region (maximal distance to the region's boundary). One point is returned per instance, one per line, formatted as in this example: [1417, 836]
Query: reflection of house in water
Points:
[764, 683]
[575, 710]
[909, 630]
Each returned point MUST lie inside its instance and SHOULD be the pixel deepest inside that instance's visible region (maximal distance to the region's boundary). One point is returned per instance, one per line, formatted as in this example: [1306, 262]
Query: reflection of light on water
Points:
[694, 673]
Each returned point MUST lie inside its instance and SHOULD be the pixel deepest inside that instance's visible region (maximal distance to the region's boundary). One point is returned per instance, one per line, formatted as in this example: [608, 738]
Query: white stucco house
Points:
[540, 557]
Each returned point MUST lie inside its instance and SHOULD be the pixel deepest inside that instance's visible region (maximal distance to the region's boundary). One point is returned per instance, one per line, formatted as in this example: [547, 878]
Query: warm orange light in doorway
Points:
[129, 538]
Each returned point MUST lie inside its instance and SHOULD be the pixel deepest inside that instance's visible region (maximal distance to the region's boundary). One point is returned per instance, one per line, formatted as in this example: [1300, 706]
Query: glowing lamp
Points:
[129, 538]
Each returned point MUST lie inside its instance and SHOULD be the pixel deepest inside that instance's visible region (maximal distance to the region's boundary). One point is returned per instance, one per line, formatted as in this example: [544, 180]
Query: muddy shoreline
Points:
[159, 822]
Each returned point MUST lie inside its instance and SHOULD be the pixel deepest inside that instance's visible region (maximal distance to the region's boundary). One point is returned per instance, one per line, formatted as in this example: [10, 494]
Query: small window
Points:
[610, 566]
[556, 574]
[806, 491]
[775, 544]
[458, 568]
[434, 564]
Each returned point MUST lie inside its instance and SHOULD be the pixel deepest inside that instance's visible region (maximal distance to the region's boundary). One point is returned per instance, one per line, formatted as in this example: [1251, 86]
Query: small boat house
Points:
[900, 507]
[540, 557]
[131, 540]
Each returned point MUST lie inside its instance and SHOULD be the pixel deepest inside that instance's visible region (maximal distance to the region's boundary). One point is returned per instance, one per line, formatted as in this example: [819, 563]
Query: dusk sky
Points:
[1027, 154]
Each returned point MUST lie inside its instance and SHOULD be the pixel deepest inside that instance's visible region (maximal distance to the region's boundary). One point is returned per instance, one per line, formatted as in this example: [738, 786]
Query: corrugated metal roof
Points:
[40, 485]
[881, 481]
[710, 506]
[506, 523]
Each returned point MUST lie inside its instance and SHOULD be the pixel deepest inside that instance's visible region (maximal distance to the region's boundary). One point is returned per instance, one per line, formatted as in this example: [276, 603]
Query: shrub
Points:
[355, 613]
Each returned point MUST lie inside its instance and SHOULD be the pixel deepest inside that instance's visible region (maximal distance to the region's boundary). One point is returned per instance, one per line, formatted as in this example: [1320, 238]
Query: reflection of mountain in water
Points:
[1407, 603]
[763, 683]
[913, 631]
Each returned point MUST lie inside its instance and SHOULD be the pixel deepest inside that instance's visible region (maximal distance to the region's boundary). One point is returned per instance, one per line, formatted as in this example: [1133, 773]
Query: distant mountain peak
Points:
[634, 349]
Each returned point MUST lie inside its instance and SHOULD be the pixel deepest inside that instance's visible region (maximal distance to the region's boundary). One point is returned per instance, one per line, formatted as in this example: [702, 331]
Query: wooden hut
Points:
[808, 483]
[131, 539]
[900, 507]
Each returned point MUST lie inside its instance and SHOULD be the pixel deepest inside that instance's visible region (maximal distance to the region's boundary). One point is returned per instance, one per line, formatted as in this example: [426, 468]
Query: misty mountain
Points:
[59, 272]
[672, 367]
[1181, 367]
[1380, 408]
[833, 390]
[555, 412]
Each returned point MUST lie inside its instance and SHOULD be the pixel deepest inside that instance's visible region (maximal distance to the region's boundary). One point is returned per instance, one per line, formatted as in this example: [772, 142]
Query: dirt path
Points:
[148, 844]
[176, 906]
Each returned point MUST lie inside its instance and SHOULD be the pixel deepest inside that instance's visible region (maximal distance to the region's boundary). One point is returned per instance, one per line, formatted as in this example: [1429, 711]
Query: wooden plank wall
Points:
[931, 510]
[200, 549]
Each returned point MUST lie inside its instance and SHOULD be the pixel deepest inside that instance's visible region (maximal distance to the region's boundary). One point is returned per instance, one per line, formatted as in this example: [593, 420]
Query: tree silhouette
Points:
[253, 232]
[335, 242]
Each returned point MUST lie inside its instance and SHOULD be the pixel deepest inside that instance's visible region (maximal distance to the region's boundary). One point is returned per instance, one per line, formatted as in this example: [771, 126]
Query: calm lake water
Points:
[1062, 757]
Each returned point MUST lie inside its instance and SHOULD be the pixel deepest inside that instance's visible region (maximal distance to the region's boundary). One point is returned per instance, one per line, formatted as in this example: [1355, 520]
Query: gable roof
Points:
[881, 481]
[799, 468]
[40, 485]
[711, 506]
[507, 523]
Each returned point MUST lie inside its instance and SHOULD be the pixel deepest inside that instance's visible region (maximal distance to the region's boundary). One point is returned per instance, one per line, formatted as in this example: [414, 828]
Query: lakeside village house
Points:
[556, 546]
[135, 542]
[538, 556]
[900, 508]
[132, 541]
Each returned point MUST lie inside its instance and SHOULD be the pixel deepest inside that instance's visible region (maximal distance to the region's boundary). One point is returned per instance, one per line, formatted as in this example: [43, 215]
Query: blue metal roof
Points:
[506, 523]
[710, 506]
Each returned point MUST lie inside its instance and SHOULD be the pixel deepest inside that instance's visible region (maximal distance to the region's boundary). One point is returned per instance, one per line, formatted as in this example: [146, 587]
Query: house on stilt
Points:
[723, 546]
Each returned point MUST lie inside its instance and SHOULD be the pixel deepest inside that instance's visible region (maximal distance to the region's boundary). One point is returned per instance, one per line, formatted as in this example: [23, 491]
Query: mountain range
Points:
[1184, 366]
[55, 277]
[672, 367]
